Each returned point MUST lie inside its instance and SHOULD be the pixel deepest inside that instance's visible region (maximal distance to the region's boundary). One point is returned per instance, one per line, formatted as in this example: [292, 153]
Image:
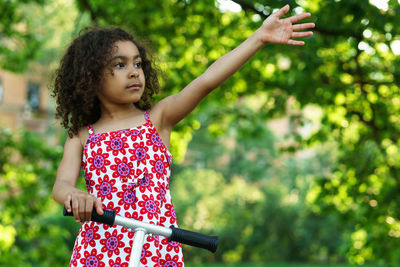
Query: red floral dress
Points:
[128, 170]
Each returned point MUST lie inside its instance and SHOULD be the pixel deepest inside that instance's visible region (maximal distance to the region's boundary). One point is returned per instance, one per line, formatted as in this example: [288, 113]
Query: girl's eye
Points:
[138, 64]
[119, 65]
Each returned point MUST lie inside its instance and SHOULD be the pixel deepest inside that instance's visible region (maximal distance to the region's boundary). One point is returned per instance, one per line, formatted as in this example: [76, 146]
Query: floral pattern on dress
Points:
[95, 140]
[128, 170]
[117, 263]
[76, 255]
[90, 235]
[122, 169]
[159, 166]
[149, 207]
[105, 188]
[117, 145]
[170, 261]
[146, 183]
[98, 162]
[154, 141]
[89, 182]
[139, 153]
[171, 245]
[92, 259]
[112, 243]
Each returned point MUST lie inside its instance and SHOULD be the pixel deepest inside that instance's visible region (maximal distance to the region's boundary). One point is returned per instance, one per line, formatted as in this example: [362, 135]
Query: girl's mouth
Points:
[134, 86]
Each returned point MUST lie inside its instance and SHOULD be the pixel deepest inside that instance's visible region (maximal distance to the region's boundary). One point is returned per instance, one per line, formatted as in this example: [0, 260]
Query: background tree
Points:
[340, 93]
[18, 43]
[349, 70]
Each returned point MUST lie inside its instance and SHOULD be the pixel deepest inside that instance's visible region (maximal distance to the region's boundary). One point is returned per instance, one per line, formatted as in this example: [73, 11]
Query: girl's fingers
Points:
[75, 209]
[282, 11]
[301, 34]
[67, 203]
[303, 26]
[82, 208]
[296, 18]
[98, 206]
[88, 209]
[293, 42]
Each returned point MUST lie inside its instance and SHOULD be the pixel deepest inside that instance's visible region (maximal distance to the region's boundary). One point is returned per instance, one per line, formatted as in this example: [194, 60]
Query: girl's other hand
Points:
[82, 206]
[281, 31]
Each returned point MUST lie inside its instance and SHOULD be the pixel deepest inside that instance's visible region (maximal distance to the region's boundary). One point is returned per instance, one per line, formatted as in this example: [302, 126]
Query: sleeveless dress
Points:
[128, 170]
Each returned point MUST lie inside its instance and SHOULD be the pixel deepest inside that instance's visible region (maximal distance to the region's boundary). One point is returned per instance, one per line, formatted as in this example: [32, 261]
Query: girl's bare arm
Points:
[273, 30]
[64, 190]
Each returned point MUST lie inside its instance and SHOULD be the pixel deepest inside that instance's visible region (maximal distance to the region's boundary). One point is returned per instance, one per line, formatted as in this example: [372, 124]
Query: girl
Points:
[104, 89]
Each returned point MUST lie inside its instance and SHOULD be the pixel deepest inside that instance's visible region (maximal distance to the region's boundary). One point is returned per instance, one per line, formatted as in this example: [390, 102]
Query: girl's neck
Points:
[118, 113]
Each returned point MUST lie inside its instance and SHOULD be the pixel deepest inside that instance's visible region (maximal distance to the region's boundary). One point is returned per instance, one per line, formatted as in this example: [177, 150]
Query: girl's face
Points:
[123, 77]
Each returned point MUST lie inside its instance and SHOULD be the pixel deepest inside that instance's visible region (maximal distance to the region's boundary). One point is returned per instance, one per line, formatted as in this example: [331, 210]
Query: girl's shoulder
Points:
[83, 135]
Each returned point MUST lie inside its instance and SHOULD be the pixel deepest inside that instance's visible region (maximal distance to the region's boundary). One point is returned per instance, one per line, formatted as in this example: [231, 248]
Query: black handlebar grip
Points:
[108, 216]
[194, 239]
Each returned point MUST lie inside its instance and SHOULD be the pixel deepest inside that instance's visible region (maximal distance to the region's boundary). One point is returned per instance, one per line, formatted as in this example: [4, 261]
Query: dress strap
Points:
[147, 116]
[90, 130]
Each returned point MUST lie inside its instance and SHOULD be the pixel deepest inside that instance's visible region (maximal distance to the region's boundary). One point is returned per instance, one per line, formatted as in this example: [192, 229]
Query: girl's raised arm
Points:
[273, 30]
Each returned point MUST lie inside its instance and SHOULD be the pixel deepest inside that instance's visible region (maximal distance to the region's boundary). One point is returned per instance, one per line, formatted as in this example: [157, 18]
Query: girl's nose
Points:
[134, 73]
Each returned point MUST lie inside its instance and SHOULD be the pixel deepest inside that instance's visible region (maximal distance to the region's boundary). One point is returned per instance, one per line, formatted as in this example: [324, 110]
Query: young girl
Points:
[104, 90]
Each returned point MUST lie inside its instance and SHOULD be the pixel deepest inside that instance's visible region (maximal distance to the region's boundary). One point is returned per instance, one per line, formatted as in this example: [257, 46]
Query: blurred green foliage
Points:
[30, 230]
[326, 190]
[252, 195]
[18, 43]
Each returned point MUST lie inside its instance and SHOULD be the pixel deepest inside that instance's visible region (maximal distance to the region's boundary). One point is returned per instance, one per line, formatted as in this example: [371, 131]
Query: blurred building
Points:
[25, 101]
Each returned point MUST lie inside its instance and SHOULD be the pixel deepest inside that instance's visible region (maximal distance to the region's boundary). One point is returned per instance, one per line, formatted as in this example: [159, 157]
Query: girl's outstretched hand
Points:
[281, 31]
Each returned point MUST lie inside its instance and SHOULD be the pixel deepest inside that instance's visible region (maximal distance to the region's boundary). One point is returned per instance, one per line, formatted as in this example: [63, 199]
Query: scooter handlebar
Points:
[194, 239]
[107, 218]
[179, 235]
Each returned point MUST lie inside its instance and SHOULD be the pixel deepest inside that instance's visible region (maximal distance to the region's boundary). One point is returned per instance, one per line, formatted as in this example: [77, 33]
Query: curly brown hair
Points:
[79, 76]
